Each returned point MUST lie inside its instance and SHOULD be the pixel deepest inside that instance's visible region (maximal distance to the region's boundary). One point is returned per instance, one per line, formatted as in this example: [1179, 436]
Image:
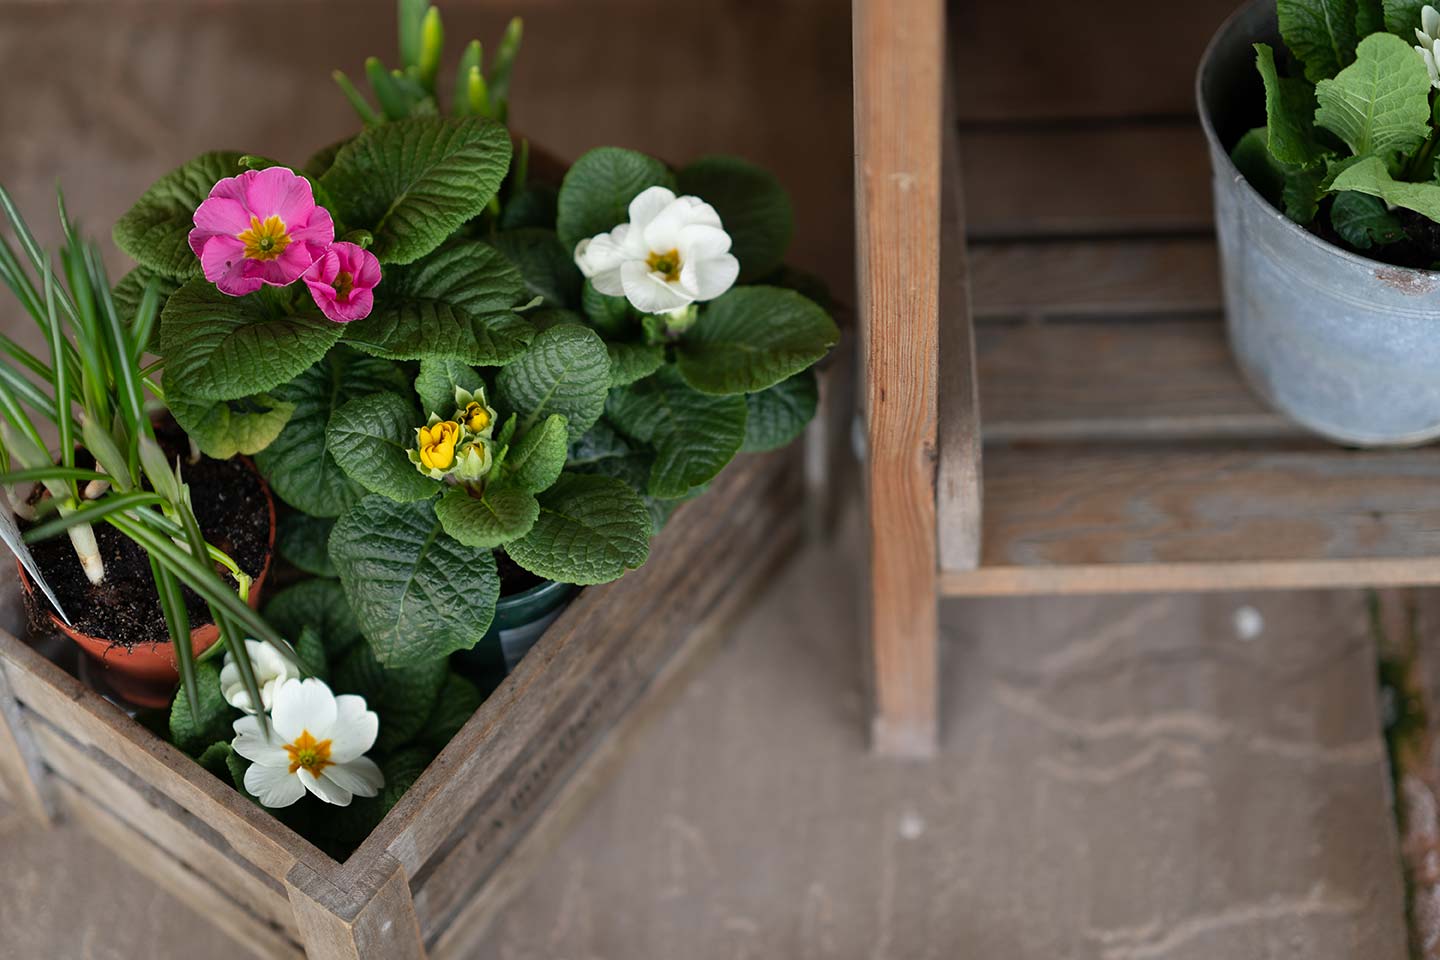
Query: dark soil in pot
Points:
[233, 512]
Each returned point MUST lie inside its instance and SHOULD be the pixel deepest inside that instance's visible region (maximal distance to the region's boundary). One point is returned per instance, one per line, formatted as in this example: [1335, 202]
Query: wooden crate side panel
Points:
[174, 834]
[21, 772]
[761, 531]
[68, 705]
[337, 925]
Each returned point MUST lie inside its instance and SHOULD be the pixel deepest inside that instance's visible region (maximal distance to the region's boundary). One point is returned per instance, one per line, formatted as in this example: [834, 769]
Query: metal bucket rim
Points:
[1218, 148]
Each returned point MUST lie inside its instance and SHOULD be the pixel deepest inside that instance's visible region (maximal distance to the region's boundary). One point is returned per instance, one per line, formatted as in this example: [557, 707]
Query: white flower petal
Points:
[647, 205]
[360, 776]
[1430, 19]
[323, 787]
[355, 728]
[598, 254]
[271, 667]
[707, 279]
[273, 786]
[700, 241]
[609, 283]
[663, 233]
[647, 292]
[302, 705]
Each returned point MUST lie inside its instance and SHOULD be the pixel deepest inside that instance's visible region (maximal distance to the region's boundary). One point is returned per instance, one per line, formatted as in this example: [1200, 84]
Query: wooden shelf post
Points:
[899, 55]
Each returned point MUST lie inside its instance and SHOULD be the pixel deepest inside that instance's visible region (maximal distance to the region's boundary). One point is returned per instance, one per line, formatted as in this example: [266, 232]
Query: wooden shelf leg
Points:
[340, 924]
[23, 775]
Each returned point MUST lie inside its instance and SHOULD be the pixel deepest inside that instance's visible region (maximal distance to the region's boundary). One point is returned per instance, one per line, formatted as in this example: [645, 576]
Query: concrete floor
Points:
[1172, 778]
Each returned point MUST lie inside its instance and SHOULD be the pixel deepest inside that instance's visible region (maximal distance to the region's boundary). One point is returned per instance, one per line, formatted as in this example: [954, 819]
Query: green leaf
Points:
[304, 541]
[503, 514]
[694, 434]
[369, 437]
[548, 268]
[753, 206]
[1320, 32]
[535, 206]
[752, 338]
[319, 605]
[456, 304]
[237, 765]
[223, 428]
[1369, 17]
[1303, 190]
[1364, 221]
[323, 159]
[633, 361]
[156, 231]
[216, 759]
[223, 348]
[596, 193]
[457, 703]
[1258, 166]
[565, 371]
[412, 183]
[417, 593]
[1371, 176]
[1290, 111]
[1402, 17]
[605, 451]
[436, 385]
[215, 716]
[535, 461]
[131, 289]
[313, 656]
[403, 697]
[298, 464]
[591, 529]
[612, 316]
[1381, 103]
[779, 415]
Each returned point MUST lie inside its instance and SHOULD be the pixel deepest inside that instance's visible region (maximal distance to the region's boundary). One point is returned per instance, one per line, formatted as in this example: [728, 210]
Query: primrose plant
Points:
[1349, 144]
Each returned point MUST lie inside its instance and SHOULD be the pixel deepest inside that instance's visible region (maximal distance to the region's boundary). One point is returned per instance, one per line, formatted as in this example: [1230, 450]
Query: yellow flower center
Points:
[265, 241]
[477, 418]
[307, 752]
[343, 284]
[437, 445]
[665, 264]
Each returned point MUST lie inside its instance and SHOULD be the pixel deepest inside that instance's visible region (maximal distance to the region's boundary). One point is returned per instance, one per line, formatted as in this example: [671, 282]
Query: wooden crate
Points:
[1051, 403]
[432, 874]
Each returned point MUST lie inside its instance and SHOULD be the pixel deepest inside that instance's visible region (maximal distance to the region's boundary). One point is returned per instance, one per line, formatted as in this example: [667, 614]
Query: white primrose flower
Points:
[317, 742]
[1428, 33]
[272, 668]
[672, 253]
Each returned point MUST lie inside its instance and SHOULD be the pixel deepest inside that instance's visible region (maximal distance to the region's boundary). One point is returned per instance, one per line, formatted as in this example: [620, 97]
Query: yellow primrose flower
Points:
[476, 416]
[437, 444]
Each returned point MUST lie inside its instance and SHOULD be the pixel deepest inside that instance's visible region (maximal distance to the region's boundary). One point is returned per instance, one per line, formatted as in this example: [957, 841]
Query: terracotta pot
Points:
[146, 674]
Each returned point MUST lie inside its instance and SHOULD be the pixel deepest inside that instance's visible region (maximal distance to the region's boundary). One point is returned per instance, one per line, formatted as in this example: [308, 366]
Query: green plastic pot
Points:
[520, 620]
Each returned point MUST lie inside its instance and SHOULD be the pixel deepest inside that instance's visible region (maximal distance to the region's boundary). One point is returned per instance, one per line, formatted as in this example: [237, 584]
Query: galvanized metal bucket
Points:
[1346, 346]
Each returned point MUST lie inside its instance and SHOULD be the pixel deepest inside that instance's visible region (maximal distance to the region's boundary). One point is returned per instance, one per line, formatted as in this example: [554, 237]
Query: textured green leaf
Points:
[752, 338]
[369, 437]
[779, 415]
[595, 196]
[455, 304]
[457, 703]
[1364, 221]
[304, 541]
[1402, 17]
[298, 464]
[1320, 32]
[605, 451]
[223, 428]
[403, 697]
[1302, 193]
[131, 289]
[216, 758]
[412, 183]
[753, 207]
[1289, 111]
[156, 231]
[612, 316]
[417, 593]
[436, 385]
[215, 715]
[535, 206]
[320, 605]
[548, 268]
[314, 659]
[1381, 103]
[1369, 17]
[694, 434]
[591, 529]
[503, 514]
[323, 159]
[536, 459]
[224, 348]
[633, 361]
[1371, 176]
[1260, 169]
[565, 371]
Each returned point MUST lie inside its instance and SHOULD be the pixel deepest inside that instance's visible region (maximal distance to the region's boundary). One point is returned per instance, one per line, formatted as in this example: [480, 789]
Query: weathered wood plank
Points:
[1138, 59]
[1065, 180]
[22, 775]
[1067, 519]
[1094, 381]
[899, 49]
[1102, 278]
[335, 924]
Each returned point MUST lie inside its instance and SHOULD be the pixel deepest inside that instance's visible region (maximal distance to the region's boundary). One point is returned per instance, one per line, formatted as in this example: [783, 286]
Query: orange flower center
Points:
[264, 241]
[665, 264]
[307, 752]
[344, 283]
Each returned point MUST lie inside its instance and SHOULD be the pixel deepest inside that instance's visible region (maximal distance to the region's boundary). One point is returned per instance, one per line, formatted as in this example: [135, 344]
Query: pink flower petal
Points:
[279, 192]
[317, 231]
[217, 216]
[224, 263]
